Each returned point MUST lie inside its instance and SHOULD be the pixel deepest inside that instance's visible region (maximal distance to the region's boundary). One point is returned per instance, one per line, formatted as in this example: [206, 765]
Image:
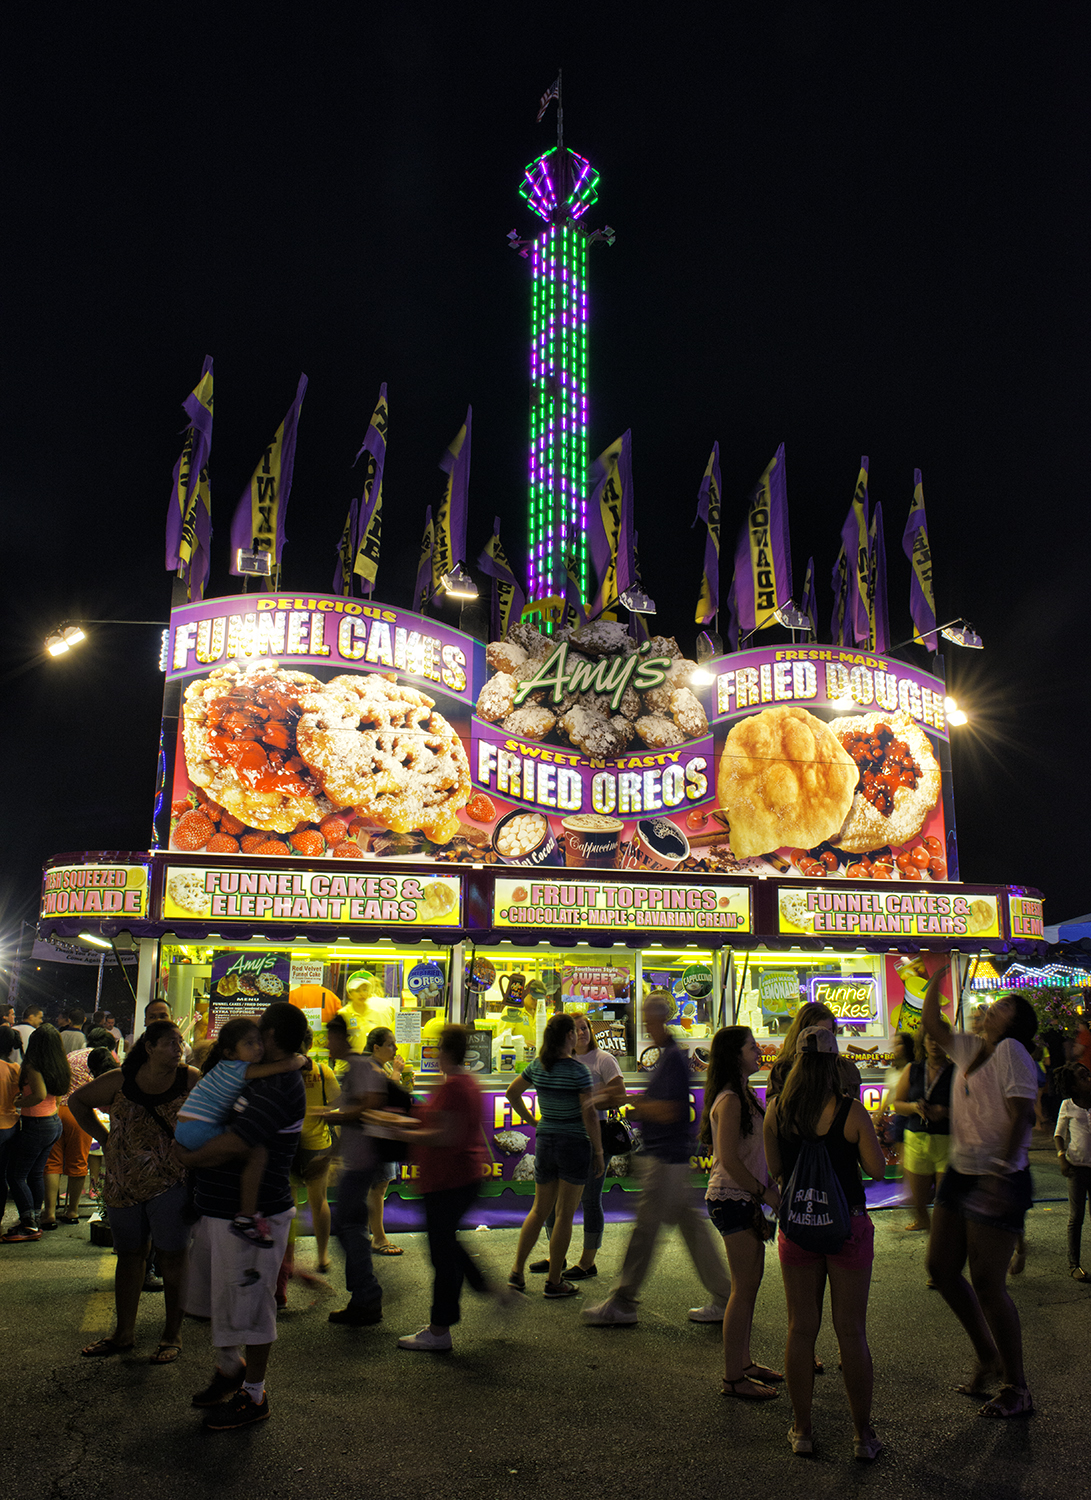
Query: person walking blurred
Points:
[666, 1195]
[986, 1190]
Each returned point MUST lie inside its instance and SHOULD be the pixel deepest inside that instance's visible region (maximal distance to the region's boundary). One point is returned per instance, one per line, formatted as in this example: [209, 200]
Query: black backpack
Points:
[814, 1212]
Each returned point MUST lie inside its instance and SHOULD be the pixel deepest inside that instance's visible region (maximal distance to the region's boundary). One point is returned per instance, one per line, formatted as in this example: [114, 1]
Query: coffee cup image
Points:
[525, 838]
[657, 844]
[591, 840]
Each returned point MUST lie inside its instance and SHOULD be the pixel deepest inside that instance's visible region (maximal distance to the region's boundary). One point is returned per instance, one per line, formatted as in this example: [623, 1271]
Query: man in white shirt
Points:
[1073, 1143]
[32, 1019]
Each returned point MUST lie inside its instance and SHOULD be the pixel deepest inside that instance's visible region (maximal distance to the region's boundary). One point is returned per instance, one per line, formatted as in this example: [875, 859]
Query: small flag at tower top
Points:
[552, 92]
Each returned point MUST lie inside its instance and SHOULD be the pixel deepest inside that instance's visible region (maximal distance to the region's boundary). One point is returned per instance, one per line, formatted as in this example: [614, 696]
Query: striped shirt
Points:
[269, 1113]
[559, 1089]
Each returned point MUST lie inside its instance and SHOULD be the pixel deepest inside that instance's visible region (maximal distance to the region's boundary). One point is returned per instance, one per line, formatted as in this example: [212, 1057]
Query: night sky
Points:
[854, 229]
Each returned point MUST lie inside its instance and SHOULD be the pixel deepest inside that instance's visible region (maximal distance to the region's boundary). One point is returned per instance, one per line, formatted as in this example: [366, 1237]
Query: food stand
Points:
[362, 808]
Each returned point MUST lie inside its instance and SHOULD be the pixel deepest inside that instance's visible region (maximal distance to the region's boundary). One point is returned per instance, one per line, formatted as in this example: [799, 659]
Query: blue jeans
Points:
[351, 1228]
[26, 1163]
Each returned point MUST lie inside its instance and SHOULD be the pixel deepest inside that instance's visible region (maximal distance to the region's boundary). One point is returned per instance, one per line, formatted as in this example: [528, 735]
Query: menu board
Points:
[540, 902]
[926, 913]
[97, 890]
[379, 899]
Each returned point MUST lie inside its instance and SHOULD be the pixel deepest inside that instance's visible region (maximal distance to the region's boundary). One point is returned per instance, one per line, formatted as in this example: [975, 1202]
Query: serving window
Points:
[770, 988]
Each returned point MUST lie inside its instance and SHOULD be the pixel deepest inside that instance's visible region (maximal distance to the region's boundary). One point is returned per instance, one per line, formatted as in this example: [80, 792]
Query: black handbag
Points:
[617, 1138]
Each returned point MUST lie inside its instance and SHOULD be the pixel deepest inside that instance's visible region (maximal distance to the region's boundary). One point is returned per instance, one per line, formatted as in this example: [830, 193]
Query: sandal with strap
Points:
[1079, 1274]
[981, 1381]
[1017, 1403]
[102, 1347]
[758, 1390]
[166, 1353]
[762, 1374]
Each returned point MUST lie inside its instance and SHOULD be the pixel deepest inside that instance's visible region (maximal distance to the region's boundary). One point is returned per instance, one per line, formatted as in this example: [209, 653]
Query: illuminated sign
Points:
[1025, 917]
[621, 904]
[850, 997]
[194, 892]
[95, 891]
[932, 912]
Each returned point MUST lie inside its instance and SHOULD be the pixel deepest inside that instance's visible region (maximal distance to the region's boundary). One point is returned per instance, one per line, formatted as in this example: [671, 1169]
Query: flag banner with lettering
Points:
[196, 571]
[508, 598]
[877, 608]
[763, 559]
[854, 539]
[638, 623]
[259, 516]
[604, 524]
[626, 540]
[346, 548]
[574, 612]
[922, 601]
[187, 531]
[370, 525]
[708, 511]
[422, 589]
[450, 529]
[839, 582]
[810, 602]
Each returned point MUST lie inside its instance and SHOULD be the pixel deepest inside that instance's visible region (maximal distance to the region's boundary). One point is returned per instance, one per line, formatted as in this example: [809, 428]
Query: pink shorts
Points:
[857, 1252]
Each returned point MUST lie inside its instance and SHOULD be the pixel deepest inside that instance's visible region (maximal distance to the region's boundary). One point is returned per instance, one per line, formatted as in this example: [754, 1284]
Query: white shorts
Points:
[243, 1310]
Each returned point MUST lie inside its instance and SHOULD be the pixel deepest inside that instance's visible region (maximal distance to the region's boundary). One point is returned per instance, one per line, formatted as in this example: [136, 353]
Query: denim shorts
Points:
[731, 1215]
[957, 1189]
[567, 1157]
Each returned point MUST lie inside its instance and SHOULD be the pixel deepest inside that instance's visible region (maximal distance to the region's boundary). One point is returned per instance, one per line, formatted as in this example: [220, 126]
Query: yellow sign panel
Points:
[104, 891]
[534, 901]
[932, 912]
[193, 892]
[1025, 917]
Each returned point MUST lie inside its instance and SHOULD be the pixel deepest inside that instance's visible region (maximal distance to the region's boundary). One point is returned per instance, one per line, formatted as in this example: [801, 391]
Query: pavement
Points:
[535, 1403]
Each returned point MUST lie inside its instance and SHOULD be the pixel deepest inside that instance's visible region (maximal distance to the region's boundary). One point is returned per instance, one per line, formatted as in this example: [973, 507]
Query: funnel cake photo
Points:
[784, 779]
[378, 747]
[239, 729]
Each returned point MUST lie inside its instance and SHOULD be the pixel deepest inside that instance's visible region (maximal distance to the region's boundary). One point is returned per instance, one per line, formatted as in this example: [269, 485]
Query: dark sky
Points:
[851, 228]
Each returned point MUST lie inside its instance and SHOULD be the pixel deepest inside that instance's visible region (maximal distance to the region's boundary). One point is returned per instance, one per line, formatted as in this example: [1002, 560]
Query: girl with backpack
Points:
[811, 1111]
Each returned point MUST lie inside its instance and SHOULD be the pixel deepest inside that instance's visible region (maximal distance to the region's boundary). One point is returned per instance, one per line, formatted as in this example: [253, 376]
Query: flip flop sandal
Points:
[388, 1250]
[47, 1224]
[166, 1353]
[762, 1374]
[1079, 1274]
[761, 1392]
[67, 1219]
[1021, 1406]
[102, 1347]
[324, 1268]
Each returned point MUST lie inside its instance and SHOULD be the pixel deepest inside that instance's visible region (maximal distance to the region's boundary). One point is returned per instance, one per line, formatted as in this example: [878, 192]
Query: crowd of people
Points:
[202, 1168]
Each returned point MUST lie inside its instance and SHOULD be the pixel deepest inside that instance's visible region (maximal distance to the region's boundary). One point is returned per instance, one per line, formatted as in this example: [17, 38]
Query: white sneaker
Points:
[426, 1341]
[607, 1314]
[712, 1312]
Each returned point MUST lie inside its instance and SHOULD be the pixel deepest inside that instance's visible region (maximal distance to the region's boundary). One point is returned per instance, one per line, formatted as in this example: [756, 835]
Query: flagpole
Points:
[560, 115]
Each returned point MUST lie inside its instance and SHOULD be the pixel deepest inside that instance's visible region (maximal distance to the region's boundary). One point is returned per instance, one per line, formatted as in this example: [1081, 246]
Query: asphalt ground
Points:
[536, 1404]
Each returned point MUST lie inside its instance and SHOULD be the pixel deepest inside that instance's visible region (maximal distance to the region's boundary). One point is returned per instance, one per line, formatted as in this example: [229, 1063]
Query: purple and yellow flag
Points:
[508, 598]
[368, 534]
[574, 613]
[708, 511]
[763, 558]
[450, 527]
[878, 615]
[342, 577]
[604, 523]
[810, 602]
[854, 540]
[638, 623]
[189, 524]
[922, 601]
[839, 582]
[423, 588]
[258, 525]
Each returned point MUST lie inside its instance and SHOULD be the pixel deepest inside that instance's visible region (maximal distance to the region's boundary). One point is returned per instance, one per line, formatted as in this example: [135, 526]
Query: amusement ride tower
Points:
[559, 187]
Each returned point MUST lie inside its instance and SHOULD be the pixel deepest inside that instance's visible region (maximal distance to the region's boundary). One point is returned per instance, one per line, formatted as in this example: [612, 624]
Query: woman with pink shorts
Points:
[812, 1106]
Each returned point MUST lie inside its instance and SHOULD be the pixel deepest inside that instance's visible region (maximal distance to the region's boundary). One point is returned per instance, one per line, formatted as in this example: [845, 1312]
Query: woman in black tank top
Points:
[812, 1107]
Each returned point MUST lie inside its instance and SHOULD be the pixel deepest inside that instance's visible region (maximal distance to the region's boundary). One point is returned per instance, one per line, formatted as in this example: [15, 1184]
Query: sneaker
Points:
[712, 1312]
[607, 1315]
[577, 1273]
[220, 1387]
[152, 1284]
[358, 1315]
[254, 1231]
[240, 1411]
[560, 1289]
[538, 1267]
[427, 1342]
[21, 1234]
